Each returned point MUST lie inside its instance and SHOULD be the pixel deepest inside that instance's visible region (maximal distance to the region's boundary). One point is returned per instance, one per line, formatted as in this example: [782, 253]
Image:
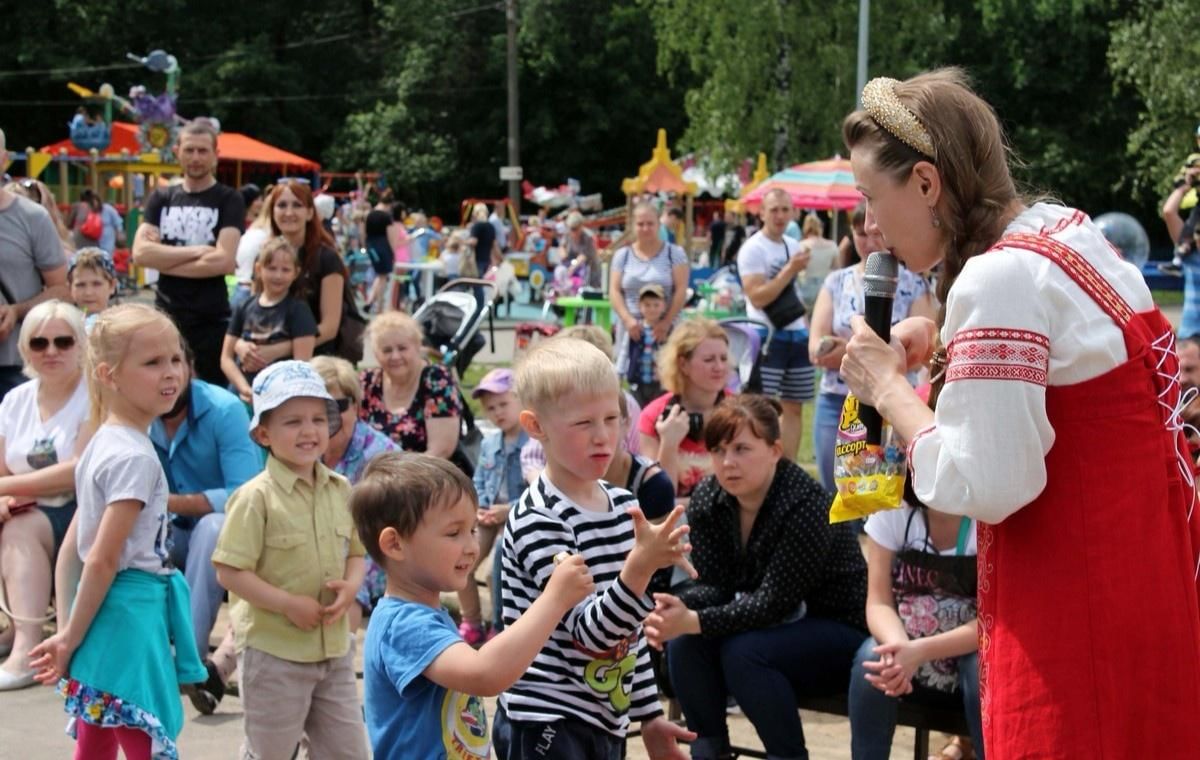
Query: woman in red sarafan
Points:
[1057, 427]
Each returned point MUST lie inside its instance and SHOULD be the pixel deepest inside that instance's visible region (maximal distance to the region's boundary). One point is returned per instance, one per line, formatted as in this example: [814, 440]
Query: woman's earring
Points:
[933, 218]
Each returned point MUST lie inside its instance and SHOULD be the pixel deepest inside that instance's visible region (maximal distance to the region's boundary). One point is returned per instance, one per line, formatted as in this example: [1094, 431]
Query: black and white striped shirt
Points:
[596, 665]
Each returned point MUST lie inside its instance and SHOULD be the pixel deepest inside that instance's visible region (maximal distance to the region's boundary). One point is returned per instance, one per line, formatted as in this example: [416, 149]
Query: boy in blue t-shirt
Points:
[423, 684]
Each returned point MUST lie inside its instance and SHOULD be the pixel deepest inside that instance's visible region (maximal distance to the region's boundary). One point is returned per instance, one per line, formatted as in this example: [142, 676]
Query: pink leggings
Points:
[96, 743]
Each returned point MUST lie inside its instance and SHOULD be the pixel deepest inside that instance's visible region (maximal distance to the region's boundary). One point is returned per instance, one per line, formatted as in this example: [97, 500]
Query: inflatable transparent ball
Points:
[1127, 235]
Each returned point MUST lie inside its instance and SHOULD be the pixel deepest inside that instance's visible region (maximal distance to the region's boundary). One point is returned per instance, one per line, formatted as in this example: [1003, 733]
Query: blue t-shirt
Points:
[407, 714]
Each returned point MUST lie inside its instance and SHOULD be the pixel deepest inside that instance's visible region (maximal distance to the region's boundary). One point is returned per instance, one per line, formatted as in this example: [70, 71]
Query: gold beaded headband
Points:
[881, 104]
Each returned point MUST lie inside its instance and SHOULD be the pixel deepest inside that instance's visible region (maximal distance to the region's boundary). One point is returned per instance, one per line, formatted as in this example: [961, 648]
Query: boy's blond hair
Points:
[557, 368]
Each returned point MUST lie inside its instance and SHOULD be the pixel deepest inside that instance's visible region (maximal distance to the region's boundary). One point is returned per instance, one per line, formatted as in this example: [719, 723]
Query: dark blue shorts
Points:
[60, 519]
[383, 260]
[555, 740]
[787, 373]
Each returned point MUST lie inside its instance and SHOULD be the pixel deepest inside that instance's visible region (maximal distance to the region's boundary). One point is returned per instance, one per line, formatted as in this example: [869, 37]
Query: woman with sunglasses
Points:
[43, 429]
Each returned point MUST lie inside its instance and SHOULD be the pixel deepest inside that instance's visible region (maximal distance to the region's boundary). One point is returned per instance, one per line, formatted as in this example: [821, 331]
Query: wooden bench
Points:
[922, 718]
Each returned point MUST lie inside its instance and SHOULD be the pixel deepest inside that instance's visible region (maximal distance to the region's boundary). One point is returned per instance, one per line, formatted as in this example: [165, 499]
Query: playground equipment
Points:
[662, 175]
[761, 173]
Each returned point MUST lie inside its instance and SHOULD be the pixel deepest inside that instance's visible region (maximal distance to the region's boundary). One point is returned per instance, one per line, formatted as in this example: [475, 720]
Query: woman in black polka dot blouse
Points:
[778, 610]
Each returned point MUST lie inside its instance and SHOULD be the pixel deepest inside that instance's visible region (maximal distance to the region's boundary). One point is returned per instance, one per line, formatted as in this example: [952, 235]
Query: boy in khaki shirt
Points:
[292, 562]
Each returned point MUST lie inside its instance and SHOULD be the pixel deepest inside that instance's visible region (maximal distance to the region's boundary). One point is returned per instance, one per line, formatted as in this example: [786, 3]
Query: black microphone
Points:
[879, 291]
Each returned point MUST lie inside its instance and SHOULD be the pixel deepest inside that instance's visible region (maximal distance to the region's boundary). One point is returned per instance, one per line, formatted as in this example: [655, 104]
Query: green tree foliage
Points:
[1154, 53]
[779, 75]
[591, 99]
[1041, 63]
[284, 72]
[1096, 94]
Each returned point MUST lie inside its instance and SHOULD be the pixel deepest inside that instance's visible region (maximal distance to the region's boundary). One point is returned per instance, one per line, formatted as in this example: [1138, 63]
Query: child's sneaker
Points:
[492, 633]
[471, 633]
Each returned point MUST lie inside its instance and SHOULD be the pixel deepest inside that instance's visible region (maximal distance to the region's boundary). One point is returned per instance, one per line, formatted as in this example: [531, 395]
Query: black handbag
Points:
[787, 306]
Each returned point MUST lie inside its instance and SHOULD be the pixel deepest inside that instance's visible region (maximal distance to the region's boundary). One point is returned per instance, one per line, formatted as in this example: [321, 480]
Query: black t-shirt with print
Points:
[185, 218]
[290, 318]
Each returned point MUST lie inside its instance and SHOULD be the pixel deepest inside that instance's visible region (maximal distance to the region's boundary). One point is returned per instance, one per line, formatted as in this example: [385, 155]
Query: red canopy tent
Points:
[233, 150]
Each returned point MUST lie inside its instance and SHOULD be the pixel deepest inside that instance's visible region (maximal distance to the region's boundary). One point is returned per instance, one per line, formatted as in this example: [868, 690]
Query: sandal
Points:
[958, 748]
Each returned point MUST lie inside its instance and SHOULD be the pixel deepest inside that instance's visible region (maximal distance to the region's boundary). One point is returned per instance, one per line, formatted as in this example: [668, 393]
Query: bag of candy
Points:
[869, 477]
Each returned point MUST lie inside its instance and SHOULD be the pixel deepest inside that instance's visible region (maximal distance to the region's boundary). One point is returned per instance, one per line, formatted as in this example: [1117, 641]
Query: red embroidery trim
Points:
[998, 353]
[912, 444]
[1065, 222]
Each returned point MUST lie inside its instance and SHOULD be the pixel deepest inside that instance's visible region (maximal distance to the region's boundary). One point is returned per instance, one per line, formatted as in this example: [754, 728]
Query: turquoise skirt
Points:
[137, 652]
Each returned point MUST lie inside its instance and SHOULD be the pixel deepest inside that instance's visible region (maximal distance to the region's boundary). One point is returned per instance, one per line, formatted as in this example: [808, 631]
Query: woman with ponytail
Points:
[1057, 427]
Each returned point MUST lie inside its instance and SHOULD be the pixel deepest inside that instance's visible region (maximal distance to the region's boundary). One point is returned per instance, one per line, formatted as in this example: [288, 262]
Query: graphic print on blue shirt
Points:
[465, 727]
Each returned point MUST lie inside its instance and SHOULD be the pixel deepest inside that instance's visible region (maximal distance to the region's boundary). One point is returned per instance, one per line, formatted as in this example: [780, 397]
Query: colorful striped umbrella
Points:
[823, 185]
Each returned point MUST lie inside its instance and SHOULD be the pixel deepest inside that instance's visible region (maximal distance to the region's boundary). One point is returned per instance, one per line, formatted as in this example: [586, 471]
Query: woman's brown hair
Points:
[759, 413]
[315, 234]
[972, 159]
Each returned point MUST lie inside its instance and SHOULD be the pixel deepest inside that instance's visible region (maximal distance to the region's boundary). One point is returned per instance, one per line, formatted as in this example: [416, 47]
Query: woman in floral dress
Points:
[411, 401]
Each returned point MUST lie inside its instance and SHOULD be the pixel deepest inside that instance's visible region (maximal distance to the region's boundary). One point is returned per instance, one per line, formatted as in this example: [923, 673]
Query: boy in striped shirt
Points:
[593, 675]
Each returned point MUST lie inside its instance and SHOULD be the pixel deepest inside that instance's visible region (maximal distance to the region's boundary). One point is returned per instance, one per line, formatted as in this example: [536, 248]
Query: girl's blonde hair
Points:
[109, 342]
[37, 318]
[270, 248]
[812, 226]
[684, 340]
[340, 374]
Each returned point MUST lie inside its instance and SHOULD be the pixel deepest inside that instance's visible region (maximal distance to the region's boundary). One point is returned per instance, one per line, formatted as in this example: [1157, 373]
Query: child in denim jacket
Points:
[498, 481]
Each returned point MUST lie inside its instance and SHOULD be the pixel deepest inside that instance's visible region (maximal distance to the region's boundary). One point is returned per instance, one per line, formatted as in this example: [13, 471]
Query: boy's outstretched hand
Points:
[571, 582]
[661, 738]
[661, 545]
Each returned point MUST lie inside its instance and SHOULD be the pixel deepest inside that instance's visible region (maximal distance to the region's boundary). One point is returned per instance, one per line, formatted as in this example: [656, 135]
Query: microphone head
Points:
[882, 275]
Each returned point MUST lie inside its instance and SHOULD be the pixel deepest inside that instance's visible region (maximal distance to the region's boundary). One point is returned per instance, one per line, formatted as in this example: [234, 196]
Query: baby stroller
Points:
[722, 291]
[451, 319]
[746, 347]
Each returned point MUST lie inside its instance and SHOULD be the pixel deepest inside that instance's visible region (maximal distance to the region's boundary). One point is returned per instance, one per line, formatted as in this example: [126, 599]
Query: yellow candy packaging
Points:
[869, 478]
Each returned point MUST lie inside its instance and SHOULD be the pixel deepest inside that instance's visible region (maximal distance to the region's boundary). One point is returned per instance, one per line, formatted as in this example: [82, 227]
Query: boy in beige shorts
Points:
[292, 562]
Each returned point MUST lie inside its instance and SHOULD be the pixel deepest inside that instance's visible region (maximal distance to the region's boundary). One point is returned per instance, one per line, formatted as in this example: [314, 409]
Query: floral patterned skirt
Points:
[105, 710]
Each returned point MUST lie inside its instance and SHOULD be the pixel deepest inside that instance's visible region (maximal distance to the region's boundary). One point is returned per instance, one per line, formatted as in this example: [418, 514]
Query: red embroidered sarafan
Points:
[1089, 622]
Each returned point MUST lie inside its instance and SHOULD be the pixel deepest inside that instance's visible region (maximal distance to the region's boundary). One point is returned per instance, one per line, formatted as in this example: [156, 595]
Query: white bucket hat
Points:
[288, 380]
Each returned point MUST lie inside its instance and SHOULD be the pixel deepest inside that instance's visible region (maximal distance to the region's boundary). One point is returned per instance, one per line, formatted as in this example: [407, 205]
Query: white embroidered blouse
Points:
[1015, 321]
